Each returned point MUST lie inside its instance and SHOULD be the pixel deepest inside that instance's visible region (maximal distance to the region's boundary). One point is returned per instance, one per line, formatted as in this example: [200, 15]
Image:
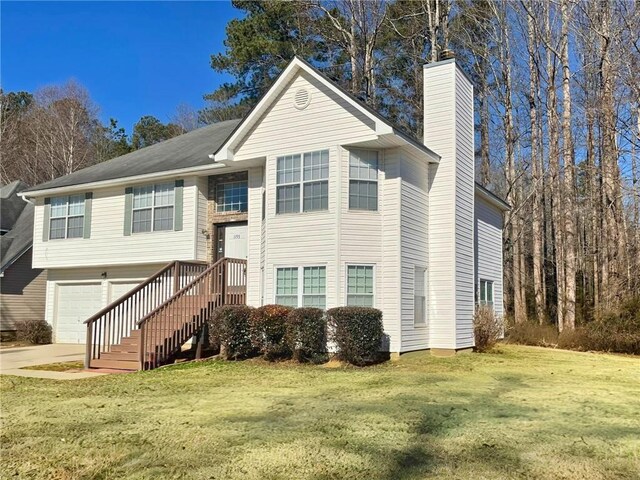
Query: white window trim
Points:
[380, 155]
[425, 322]
[67, 216]
[302, 182]
[493, 293]
[346, 281]
[246, 182]
[300, 269]
[153, 208]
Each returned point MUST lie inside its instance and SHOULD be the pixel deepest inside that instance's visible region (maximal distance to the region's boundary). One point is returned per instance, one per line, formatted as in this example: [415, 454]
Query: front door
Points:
[232, 241]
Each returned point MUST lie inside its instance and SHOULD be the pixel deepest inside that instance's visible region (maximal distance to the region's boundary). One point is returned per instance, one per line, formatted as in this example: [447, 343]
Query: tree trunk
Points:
[536, 167]
[569, 180]
[554, 172]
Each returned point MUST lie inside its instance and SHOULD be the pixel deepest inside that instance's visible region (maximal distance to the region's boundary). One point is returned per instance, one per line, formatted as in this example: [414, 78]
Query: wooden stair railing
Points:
[164, 330]
[116, 321]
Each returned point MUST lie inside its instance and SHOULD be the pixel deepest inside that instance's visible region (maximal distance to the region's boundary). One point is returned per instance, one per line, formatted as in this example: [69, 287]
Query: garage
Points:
[75, 303]
[118, 289]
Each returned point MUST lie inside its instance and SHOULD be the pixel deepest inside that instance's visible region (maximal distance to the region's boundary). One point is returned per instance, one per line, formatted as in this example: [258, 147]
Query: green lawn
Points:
[522, 412]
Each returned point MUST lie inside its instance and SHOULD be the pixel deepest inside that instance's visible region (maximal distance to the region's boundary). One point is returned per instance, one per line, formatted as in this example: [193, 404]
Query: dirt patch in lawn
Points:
[58, 367]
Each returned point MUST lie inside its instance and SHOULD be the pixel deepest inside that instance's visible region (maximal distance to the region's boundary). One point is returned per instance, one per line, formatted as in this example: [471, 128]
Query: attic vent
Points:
[302, 98]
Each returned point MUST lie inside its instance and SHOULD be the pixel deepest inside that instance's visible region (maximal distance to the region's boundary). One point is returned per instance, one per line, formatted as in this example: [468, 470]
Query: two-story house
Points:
[328, 202]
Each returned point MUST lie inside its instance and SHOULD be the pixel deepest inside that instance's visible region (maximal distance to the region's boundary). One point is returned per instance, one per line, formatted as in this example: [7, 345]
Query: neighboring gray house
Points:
[322, 200]
[22, 288]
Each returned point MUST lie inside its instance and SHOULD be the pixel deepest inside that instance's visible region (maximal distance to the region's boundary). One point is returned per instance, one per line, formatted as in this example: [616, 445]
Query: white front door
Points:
[235, 241]
[75, 303]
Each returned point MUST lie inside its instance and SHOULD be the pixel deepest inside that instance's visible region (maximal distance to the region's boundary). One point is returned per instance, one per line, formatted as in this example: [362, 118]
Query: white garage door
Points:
[76, 302]
[118, 289]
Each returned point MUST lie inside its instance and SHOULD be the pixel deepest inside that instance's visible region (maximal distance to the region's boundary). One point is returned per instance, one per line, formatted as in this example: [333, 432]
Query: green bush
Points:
[357, 332]
[306, 334]
[268, 328]
[33, 331]
[229, 328]
[487, 328]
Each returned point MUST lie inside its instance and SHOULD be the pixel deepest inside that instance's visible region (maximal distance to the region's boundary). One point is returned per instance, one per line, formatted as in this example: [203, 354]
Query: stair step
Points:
[125, 348]
[133, 356]
[115, 364]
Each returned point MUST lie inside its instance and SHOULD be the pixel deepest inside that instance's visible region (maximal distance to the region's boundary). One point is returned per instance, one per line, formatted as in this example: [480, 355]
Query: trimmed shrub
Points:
[487, 328]
[33, 331]
[268, 328]
[306, 335]
[357, 332]
[229, 328]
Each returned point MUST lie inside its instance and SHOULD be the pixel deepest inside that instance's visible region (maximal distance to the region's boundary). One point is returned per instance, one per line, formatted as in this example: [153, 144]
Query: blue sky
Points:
[135, 58]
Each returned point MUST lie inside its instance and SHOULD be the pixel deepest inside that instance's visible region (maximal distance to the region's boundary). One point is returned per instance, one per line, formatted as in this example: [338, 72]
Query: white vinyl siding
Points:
[488, 251]
[305, 175]
[360, 285]
[153, 208]
[109, 246]
[363, 180]
[448, 130]
[301, 287]
[66, 217]
[414, 246]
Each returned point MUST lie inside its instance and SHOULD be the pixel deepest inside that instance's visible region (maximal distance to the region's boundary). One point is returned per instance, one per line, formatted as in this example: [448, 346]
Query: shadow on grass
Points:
[420, 429]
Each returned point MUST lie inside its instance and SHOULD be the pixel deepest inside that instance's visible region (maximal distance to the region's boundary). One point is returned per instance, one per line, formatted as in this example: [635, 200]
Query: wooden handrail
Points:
[167, 327]
[181, 291]
[114, 322]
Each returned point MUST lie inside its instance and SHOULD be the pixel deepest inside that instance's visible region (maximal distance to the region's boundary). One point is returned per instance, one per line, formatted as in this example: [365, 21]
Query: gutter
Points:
[119, 181]
[492, 198]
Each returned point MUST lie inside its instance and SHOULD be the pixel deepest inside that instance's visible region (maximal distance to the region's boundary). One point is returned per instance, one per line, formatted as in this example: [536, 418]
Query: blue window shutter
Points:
[178, 194]
[45, 222]
[88, 198]
[128, 210]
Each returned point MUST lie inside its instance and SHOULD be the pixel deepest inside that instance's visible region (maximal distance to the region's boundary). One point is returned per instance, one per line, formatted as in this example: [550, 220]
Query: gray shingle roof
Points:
[17, 218]
[17, 241]
[184, 151]
[11, 204]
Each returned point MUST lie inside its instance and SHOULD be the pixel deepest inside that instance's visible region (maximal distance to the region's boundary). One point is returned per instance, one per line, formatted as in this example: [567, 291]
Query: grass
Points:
[521, 412]
[57, 367]
[15, 344]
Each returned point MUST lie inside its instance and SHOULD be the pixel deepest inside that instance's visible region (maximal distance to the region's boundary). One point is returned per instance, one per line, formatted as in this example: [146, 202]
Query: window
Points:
[307, 289]
[363, 180]
[486, 292]
[231, 197]
[153, 207]
[309, 190]
[360, 285]
[67, 217]
[314, 287]
[287, 287]
[419, 299]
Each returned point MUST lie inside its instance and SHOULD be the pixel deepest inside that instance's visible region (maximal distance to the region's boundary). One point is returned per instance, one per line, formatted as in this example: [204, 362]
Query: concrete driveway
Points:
[13, 359]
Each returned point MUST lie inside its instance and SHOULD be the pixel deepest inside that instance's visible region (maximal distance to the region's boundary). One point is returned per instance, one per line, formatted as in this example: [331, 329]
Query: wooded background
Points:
[557, 86]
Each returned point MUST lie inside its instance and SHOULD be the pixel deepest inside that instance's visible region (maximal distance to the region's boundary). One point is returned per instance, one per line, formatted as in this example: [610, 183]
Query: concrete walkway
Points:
[13, 359]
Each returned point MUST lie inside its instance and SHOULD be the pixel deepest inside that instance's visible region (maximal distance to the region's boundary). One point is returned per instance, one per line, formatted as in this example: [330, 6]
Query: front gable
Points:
[305, 114]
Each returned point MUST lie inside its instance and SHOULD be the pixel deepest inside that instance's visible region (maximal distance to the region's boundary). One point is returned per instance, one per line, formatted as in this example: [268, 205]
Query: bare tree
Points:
[569, 180]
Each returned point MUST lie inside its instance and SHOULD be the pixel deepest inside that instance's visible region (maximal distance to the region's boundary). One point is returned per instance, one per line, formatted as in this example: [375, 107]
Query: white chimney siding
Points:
[448, 130]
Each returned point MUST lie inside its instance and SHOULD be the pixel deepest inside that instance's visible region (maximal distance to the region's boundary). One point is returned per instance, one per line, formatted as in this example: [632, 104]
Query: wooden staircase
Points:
[149, 325]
